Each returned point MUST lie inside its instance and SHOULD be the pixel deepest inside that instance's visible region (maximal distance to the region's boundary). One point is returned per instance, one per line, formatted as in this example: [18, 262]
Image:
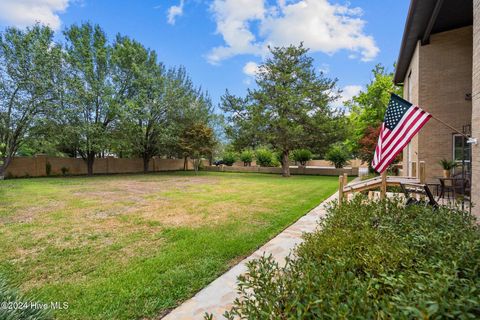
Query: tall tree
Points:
[243, 129]
[29, 71]
[291, 104]
[368, 107]
[144, 117]
[187, 106]
[197, 141]
[91, 103]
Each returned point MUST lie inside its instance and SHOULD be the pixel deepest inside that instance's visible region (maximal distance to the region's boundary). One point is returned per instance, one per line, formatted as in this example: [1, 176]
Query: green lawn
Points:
[134, 246]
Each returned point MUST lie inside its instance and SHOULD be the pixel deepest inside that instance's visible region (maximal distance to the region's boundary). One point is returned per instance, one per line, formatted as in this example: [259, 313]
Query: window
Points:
[461, 150]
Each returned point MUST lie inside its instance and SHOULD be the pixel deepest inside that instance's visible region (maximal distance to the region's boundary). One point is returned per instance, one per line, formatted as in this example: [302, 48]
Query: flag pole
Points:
[451, 127]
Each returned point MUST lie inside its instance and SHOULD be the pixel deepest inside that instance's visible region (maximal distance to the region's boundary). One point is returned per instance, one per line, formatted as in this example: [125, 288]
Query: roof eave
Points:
[401, 70]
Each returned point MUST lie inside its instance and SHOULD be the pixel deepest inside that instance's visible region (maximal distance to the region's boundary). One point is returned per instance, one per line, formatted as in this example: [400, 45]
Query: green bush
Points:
[15, 306]
[65, 171]
[338, 155]
[302, 156]
[266, 158]
[247, 157]
[275, 162]
[376, 260]
[229, 158]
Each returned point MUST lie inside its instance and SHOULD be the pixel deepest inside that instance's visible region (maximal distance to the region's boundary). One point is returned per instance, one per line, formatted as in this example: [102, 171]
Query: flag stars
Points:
[395, 111]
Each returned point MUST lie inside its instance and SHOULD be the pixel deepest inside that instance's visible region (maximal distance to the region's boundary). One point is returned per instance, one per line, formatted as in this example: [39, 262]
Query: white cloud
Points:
[250, 69]
[23, 13]
[233, 19]
[348, 92]
[322, 26]
[175, 11]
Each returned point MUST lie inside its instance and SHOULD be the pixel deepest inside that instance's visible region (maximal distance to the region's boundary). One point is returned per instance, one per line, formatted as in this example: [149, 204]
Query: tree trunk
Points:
[146, 162]
[90, 161]
[185, 164]
[285, 164]
[4, 162]
[196, 164]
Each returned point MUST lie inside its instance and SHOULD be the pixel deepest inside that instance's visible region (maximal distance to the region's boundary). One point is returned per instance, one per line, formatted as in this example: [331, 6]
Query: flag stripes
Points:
[407, 120]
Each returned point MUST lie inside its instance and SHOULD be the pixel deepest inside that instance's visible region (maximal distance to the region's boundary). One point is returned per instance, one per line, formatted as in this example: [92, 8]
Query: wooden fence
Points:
[38, 166]
[380, 182]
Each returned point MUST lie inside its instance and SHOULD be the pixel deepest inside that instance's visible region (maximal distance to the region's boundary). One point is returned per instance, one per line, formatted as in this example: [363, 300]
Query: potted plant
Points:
[447, 166]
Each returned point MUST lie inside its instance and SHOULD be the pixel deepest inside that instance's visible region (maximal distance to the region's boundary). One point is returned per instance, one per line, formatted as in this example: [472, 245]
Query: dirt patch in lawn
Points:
[116, 220]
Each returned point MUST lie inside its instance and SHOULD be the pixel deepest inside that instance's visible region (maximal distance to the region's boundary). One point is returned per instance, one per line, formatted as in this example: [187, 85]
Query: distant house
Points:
[439, 67]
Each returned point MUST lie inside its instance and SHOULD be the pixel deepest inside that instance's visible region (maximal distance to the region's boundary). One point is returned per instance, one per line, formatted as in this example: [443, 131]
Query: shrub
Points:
[338, 155]
[368, 143]
[266, 158]
[48, 168]
[302, 156]
[12, 297]
[376, 260]
[229, 158]
[275, 162]
[65, 170]
[247, 157]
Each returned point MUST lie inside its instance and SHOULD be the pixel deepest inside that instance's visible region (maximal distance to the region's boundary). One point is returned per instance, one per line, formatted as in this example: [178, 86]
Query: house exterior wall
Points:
[476, 108]
[441, 77]
[410, 93]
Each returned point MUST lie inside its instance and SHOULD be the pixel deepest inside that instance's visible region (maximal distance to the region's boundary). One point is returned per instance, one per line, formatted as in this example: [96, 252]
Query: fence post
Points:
[383, 187]
[345, 182]
[340, 190]
[422, 172]
[422, 175]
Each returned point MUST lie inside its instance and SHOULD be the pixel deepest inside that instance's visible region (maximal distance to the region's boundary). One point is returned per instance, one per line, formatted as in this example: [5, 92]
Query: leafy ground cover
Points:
[133, 246]
[375, 260]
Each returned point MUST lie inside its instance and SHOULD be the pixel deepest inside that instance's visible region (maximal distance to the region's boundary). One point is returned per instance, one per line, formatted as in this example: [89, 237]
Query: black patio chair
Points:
[418, 189]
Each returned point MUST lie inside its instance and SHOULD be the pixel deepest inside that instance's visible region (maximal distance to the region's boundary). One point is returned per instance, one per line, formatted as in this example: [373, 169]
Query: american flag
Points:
[402, 122]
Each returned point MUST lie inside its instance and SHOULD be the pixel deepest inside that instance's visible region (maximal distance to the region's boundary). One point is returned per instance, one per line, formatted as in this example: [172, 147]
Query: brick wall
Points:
[441, 76]
[476, 108]
[355, 163]
[445, 79]
[294, 171]
[410, 92]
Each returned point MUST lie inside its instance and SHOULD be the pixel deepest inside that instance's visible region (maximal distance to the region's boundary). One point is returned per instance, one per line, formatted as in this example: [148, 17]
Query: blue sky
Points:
[221, 41]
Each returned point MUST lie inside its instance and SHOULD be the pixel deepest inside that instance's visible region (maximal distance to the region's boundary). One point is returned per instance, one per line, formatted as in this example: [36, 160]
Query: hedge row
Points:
[372, 261]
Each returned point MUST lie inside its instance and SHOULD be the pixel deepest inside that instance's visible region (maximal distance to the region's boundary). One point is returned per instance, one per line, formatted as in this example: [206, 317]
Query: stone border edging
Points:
[219, 295]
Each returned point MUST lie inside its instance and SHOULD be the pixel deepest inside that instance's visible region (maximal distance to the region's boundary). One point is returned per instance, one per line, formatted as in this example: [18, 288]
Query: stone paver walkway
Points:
[219, 295]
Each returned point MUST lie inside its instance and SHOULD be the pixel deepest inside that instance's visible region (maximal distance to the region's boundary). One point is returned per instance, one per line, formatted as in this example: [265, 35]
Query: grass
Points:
[135, 246]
